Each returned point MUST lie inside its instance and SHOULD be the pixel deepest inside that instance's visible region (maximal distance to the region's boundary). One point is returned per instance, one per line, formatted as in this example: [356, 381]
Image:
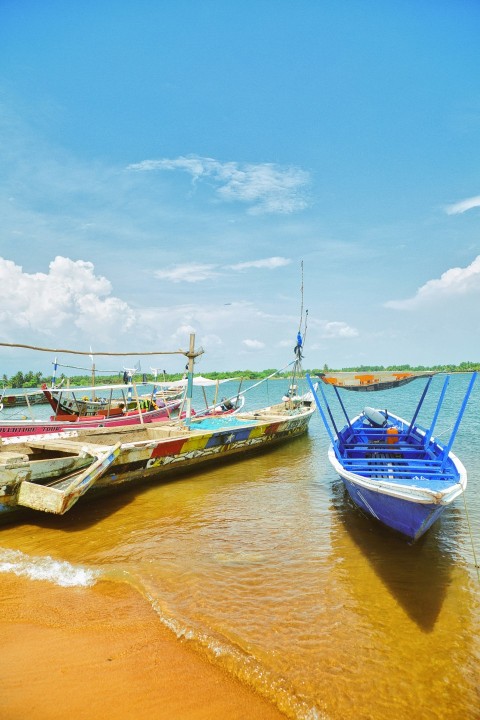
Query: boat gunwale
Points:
[410, 493]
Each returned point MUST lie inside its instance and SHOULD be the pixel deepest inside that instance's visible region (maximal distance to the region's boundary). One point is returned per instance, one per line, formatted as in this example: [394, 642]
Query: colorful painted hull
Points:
[66, 402]
[153, 451]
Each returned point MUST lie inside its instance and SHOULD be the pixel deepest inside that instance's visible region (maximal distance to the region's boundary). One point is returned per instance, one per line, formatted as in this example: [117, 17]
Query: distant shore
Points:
[32, 382]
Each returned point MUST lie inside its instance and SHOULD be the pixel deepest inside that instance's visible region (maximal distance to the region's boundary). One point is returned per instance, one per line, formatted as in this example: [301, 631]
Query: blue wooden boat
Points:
[393, 469]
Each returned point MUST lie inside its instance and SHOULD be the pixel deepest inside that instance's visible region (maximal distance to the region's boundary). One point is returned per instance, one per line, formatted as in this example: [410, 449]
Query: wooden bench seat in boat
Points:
[11, 459]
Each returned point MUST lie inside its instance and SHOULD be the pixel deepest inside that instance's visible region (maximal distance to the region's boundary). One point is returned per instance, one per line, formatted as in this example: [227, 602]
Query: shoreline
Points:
[101, 652]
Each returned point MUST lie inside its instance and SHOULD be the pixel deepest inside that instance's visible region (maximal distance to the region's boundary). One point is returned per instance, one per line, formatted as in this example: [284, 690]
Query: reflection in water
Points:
[417, 575]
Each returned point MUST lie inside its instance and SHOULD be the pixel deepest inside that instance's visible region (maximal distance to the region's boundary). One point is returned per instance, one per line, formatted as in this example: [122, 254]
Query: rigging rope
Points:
[301, 304]
[75, 367]
[305, 327]
[477, 566]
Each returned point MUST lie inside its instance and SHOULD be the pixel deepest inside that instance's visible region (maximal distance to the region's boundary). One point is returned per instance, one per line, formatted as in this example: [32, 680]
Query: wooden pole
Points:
[80, 352]
[191, 361]
[93, 382]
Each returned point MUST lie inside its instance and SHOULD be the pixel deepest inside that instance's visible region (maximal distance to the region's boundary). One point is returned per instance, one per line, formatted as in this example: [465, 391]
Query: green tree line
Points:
[32, 379]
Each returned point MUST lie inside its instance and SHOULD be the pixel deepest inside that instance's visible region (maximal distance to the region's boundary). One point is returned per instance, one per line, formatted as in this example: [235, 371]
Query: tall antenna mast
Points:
[301, 304]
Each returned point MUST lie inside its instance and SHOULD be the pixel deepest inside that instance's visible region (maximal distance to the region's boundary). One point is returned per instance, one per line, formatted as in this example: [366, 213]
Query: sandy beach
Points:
[101, 652]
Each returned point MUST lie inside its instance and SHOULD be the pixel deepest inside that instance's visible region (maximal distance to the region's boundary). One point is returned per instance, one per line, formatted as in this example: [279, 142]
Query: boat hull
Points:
[408, 518]
[183, 454]
[42, 427]
[152, 452]
[397, 481]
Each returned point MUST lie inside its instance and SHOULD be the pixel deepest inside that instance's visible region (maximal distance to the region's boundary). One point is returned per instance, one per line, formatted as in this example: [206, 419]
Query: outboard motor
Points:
[375, 417]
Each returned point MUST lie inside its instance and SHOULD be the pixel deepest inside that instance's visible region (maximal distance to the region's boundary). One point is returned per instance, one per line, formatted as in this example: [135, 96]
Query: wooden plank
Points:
[54, 500]
[65, 445]
[11, 459]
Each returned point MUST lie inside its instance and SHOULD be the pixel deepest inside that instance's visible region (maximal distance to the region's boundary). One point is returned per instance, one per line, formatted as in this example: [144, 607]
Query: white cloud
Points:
[463, 205]
[253, 344]
[196, 166]
[454, 282]
[210, 341]
[182, 332]
[69, 298]
[268, 263]
[337, 329]
[219, 330]
[74, 307]
[265, 187]
[188, 272]
[198, 272]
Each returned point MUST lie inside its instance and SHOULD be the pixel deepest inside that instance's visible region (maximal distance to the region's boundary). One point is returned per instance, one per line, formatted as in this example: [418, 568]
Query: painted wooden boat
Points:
[51, 473]
[106, 400]
[22, 399]
[61, 423]
[393, 469]
[108, 415]
[140, 410]
[372, 380]
[109, 400]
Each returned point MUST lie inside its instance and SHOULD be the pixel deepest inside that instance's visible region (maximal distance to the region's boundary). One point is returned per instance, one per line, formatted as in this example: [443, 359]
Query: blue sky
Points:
[167, 166]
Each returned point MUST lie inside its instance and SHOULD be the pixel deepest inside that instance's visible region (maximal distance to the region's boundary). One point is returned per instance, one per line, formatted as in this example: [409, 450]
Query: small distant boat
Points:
[59, 423]
[107, 401]
[115, 400]
[393, 469]
[372, 381]
[116, 406]
[21, 399]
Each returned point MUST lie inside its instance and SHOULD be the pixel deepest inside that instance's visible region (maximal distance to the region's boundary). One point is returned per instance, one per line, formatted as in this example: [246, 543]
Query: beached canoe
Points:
[51, 473]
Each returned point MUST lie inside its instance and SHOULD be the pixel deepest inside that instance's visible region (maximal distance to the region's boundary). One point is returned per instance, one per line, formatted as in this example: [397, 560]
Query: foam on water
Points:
[222, 651]
[58, 572]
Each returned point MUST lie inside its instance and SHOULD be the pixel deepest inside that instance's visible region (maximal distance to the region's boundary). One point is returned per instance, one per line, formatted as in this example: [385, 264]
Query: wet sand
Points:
[101, 652]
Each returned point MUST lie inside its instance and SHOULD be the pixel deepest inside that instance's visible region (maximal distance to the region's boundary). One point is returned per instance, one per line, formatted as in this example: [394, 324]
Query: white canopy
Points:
[198, 381]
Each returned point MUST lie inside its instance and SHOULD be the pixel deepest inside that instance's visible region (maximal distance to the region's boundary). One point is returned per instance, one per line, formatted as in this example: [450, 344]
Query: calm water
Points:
[267, 568]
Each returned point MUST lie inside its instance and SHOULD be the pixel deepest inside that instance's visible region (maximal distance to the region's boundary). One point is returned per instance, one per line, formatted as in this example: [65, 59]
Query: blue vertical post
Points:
[437, 412]
[459, 418]
[328, 409]
[420, 403]
[155, 374]
[342, 406]
[54, 376]
[129, 391]
[323, 416]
